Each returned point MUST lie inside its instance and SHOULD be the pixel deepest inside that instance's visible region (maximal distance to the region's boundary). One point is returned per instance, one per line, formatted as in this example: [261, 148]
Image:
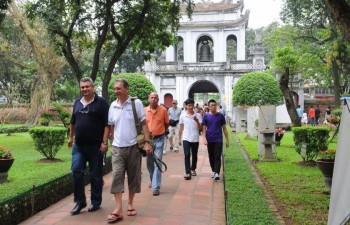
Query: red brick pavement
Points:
[198, 201]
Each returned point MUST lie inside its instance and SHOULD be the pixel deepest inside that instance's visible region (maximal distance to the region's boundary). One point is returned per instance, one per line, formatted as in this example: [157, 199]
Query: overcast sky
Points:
[262, 12]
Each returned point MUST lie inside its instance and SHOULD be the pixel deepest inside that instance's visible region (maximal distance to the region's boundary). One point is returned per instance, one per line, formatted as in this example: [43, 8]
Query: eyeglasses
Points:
[85, 109]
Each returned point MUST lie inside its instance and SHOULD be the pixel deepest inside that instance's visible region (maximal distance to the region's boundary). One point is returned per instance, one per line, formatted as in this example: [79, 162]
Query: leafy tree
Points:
[313, 18]
[3, 7]
[139, 86]
[256, 89]
[48, 64]
[339, 11]
[108, 27]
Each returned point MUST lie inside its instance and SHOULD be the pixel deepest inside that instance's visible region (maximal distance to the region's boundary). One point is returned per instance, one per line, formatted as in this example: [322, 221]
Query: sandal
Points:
[113, 217]
[131, 212]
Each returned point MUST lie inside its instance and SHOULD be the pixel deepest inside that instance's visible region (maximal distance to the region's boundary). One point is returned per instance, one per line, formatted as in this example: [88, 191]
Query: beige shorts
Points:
[126, 159]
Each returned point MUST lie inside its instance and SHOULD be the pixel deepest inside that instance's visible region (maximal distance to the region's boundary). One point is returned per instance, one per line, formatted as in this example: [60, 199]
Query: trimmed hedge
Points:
[8, 129]
[48, 140]
[316, 139]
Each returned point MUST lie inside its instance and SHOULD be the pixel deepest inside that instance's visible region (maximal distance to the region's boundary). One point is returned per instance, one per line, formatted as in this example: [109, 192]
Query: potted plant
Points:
[325, 163]
[279, 132]
[6, 161]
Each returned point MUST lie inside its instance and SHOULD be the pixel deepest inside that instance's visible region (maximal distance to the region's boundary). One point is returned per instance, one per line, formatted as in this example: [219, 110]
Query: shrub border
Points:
[25, 205]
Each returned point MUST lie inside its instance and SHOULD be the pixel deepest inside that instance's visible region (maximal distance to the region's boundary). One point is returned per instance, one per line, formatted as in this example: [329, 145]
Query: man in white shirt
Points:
[190, 124]
[174, 116]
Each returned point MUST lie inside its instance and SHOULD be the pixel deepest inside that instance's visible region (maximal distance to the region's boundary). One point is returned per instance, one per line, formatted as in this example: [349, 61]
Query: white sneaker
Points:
[164, 152]
[216, 176]
[212, 174]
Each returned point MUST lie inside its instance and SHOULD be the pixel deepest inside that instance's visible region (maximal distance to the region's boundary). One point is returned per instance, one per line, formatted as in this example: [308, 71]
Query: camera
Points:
[142, 152]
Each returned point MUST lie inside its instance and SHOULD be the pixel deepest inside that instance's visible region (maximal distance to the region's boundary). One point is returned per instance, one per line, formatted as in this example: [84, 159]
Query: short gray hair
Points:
[123, 81]
[87, 79]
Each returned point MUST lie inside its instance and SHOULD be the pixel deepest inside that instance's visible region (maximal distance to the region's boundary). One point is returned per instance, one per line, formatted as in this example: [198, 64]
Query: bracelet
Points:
[105, 142]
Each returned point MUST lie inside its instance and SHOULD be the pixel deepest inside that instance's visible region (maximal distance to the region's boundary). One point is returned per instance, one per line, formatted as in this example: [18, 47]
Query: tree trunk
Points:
[289, 99]
[40, 97]
[336, 82]
[340, 11]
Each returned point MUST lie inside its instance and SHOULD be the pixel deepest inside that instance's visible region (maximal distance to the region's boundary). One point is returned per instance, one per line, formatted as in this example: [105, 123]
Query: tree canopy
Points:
[108, 27]
[139, 86]
[256, 89]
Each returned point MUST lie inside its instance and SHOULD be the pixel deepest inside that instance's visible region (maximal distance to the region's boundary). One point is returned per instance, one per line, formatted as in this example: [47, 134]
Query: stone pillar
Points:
[267, 120]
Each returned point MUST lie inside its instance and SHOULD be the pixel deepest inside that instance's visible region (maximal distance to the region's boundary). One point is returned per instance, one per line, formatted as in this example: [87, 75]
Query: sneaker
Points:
[193, 173]
[216, 176]
[176, 150]
[212, 174]
[187, 176]
[164, 152]
[156, 192]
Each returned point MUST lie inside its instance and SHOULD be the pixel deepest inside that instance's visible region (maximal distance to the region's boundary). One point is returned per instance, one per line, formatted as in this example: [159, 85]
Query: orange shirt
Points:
[312, 113]
[158, 121]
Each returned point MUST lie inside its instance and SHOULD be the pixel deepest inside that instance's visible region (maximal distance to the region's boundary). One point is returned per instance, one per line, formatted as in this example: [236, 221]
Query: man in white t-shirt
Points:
[174, 115]
[190, 124]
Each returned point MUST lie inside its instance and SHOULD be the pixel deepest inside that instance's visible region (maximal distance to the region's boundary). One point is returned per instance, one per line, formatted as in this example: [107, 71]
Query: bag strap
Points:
[137, 121]
[157, 161]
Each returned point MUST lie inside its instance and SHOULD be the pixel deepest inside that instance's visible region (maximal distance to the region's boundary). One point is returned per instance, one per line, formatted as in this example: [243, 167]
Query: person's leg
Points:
[165, 144]
[95, 159]
[157, 174]
[210, 147]
[176, 138]
[187, 158]
[171, 137]
[78, 168]
[217, 157]
[194, 149]
[134, 177]
[118, 211]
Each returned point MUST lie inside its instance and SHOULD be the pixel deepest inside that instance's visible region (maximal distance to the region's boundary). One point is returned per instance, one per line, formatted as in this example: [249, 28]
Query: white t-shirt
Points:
[190, 132]
[122, 117]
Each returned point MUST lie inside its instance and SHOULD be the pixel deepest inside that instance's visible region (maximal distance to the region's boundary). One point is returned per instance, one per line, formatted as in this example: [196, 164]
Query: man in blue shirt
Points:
[300, 112]
[214, 124]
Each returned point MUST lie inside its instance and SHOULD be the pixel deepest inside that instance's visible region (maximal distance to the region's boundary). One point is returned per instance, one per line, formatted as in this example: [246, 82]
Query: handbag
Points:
[173, 123]
[140, 139]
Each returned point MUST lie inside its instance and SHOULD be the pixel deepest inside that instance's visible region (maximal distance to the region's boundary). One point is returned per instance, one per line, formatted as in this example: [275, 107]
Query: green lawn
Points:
[246, 200]
[298, 189]
[26, 169]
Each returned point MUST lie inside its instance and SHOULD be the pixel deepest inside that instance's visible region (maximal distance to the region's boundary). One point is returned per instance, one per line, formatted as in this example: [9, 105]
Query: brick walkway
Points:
[197, 201]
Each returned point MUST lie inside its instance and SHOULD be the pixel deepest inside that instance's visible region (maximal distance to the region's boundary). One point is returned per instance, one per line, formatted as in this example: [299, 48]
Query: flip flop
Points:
[115, 218]
[131, 212]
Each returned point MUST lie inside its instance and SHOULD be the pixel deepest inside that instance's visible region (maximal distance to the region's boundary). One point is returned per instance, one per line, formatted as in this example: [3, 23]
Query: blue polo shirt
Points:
[90, 122]
[214, 123]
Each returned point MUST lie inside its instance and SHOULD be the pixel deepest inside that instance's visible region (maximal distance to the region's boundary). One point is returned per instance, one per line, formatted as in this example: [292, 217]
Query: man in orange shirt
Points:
[158, 122]
[312, 116]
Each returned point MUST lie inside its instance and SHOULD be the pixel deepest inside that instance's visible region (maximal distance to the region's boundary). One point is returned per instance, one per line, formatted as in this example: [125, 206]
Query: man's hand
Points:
[148, 148]
[227, 144]
[103, 148]
[70, 142]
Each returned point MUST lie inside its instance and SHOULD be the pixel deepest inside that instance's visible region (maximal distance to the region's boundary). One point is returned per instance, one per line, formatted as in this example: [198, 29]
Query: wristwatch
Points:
[105, 142]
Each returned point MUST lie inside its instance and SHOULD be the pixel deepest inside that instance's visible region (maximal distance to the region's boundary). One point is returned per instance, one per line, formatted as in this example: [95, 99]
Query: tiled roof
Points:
[204, 7]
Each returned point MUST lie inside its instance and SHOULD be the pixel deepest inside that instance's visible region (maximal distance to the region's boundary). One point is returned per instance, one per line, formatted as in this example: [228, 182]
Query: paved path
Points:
[198, 201]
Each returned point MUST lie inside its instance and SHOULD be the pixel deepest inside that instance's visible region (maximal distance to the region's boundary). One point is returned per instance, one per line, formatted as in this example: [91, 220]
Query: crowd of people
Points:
[314, 116]
[94, 123]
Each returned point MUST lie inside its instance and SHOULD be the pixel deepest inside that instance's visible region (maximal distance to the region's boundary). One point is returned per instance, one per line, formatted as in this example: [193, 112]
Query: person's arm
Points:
[197, 121]
[104, 144]
[71, 135]
[181, 128]
[147, 147]
[204, 131]
[224, 129]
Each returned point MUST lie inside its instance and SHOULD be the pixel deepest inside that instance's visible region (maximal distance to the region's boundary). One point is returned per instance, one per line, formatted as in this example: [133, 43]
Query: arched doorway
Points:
[168, 100]
[203, 90]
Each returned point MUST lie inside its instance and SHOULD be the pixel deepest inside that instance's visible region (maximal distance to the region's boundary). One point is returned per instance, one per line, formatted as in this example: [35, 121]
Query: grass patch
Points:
[29, 168]
[298, 189]
[246, 201]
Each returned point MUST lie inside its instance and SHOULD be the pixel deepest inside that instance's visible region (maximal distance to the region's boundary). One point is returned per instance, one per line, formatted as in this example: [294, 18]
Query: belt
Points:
[158, 136]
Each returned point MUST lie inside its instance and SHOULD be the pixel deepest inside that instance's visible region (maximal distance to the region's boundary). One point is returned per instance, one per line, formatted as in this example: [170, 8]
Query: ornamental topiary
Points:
[256, 89]
[48, 140]
[139, 86]
[315, 138]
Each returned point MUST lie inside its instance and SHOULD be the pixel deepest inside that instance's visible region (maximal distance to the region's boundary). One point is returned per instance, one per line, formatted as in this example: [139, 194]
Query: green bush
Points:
[316, 139]
[13, 129]
[255, 89]
[139, 86]
[48, 140]
[337, 112]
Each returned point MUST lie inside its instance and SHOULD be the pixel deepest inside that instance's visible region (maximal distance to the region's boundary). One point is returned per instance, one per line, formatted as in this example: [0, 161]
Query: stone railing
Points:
[244, 66]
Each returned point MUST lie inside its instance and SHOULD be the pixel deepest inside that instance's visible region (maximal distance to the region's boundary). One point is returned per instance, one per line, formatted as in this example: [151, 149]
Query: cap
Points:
[174, 101]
